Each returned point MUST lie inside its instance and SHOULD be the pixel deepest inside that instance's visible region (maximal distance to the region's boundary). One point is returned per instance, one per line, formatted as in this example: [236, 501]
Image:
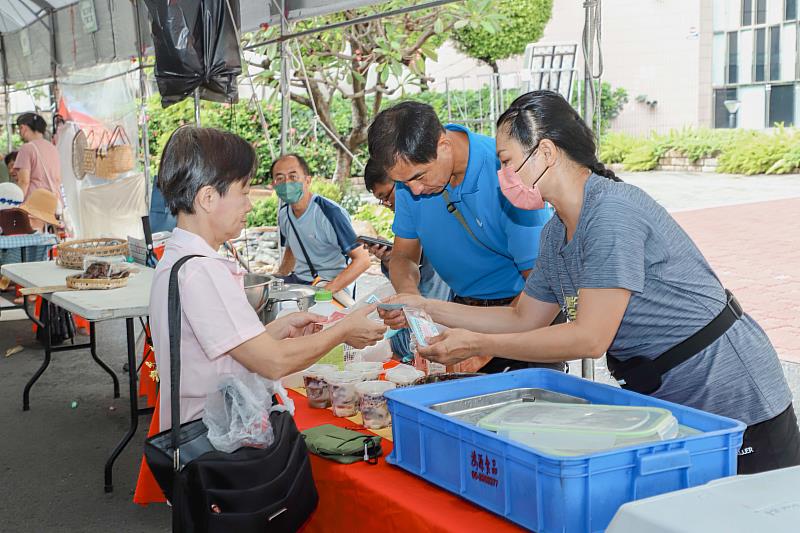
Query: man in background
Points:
[320, 241]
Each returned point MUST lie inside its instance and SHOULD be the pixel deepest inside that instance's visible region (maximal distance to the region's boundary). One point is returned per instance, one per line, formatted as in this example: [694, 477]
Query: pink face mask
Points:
[521, 196]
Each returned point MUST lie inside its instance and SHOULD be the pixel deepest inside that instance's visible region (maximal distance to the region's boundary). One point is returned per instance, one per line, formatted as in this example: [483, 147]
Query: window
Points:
[721, 115]
[790, 10]
[747, 12]
[733, 57]
[775, 53]
[759, 63]
[761, 11]
[781, 105]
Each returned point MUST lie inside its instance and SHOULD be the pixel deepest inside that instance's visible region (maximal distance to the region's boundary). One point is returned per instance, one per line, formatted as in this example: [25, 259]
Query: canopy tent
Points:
[39, 38]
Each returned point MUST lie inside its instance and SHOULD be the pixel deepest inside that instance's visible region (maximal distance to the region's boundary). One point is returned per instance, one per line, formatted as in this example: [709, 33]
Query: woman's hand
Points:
[360, 331]
[294, 325]
[397, 319]
[384, 253]
[452, 346]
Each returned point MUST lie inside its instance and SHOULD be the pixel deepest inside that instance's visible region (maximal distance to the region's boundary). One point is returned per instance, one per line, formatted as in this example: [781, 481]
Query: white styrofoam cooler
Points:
[768, 502]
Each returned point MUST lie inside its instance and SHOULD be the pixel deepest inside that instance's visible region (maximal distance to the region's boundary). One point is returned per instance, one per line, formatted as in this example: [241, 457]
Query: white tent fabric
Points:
[125, 197]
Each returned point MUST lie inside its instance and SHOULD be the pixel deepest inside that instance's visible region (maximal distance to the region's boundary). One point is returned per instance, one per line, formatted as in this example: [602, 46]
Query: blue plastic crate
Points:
[548, 493]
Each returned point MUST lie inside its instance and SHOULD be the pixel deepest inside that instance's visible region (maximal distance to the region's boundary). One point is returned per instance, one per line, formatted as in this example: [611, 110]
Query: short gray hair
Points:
[197, 157]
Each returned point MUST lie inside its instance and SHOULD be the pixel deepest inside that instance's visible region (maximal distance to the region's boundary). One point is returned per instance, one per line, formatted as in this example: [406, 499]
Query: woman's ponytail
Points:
[601, 170]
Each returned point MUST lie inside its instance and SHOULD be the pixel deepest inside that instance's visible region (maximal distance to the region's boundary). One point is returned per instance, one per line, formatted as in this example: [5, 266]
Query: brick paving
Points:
[755, 250]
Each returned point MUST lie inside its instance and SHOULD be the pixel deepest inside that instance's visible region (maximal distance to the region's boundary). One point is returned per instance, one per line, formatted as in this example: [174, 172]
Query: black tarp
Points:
[196, 46]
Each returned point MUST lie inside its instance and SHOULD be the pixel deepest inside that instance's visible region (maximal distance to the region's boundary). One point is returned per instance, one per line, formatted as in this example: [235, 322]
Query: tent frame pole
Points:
[6, 94]
[587, 364]
[284, 82]
[145, 129]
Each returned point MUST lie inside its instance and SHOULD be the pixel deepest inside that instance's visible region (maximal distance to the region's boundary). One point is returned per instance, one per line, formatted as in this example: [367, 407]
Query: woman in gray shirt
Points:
[631, 282]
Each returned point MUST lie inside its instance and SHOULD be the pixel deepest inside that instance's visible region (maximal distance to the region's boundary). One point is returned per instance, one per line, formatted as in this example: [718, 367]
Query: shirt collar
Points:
[192, 244]
[475, 165]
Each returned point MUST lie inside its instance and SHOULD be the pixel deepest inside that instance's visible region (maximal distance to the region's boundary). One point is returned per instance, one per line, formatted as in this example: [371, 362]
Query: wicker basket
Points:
[77, 282]
[72, 253]
[108, 160]
[113, 159]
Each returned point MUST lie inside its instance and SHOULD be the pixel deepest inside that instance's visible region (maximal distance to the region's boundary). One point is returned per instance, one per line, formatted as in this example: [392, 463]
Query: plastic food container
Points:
[369, 370]
[317, 386]
[403, 375]
[373, 405]
[342, 387]
[574, 429]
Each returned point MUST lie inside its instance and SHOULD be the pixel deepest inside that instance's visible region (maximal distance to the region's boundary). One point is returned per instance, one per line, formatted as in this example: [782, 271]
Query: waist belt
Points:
[643, 375]
[480, 302]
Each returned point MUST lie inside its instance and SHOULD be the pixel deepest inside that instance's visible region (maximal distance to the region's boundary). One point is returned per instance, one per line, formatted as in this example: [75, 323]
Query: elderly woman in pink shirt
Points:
[205, 179]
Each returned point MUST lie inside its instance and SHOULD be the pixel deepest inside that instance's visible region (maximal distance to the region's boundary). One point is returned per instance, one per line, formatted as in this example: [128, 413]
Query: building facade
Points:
[680, 60]
[755, 62]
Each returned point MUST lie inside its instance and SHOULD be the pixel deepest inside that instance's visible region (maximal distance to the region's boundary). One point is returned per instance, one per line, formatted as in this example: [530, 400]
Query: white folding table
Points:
[129, 302]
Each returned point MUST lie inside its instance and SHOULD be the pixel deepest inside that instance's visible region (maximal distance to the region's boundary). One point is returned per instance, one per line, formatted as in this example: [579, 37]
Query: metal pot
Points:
[302, 294]
[256, 288]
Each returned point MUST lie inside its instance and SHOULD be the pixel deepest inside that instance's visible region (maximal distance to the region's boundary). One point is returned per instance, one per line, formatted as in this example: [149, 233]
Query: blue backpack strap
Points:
[345, 235]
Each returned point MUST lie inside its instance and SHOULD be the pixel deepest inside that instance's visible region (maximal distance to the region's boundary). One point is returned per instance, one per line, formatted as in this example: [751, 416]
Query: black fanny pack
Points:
[643, 375]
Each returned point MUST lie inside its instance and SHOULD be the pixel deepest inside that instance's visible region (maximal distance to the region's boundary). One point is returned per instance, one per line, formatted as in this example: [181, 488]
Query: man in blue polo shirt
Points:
[448, 201]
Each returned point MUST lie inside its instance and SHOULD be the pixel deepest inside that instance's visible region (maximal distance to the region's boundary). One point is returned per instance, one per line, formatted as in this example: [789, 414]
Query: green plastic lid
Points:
[323, 296]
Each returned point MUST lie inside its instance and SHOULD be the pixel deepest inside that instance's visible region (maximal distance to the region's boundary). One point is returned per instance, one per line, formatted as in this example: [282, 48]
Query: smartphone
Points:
[372, 241]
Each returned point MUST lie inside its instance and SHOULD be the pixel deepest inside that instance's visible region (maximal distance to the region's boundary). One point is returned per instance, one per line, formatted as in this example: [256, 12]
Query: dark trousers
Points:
[769, 445]
[501, 364]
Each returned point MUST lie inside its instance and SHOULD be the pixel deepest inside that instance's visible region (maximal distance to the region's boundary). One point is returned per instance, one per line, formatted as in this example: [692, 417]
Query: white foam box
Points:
[766, 502]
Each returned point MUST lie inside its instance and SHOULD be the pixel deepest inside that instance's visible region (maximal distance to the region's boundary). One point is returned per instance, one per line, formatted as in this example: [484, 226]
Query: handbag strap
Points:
[314, 273]
[451, 208]
[119, 133]
[174, 324]
[41, 162]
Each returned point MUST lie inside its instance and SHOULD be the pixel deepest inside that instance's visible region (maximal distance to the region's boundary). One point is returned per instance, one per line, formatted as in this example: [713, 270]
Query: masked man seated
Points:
[320, 241]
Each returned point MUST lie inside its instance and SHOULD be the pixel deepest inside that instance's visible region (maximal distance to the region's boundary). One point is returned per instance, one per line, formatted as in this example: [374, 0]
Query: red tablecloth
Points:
[360, 497]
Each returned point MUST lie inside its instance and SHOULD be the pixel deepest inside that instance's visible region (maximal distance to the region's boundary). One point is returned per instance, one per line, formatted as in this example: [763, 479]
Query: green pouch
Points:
[342, 445]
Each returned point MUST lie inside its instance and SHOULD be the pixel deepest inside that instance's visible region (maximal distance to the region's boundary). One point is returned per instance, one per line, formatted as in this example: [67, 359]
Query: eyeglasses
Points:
[529, 156]
[385, 199]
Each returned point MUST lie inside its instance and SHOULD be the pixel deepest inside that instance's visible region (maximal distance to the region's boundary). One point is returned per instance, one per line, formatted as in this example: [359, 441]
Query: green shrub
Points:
[380, 217]
[790, 161]
[757, 152]
[614, 147]
[737, 151]
[643, 156]
[327, 188]
[264, 213]
[698, 144]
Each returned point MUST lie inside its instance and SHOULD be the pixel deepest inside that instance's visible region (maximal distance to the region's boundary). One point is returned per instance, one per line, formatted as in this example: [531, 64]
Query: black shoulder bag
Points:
[251, 489]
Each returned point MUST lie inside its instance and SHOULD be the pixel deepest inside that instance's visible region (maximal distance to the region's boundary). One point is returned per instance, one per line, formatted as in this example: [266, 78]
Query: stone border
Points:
[677, 161]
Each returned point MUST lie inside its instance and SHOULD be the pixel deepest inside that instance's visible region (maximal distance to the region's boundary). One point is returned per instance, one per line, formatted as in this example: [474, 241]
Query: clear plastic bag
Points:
[422, 328]
[237, 414]
[105, 267]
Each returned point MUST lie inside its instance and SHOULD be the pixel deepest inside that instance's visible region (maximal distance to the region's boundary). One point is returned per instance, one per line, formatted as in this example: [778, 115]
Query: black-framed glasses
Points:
[384, 199]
